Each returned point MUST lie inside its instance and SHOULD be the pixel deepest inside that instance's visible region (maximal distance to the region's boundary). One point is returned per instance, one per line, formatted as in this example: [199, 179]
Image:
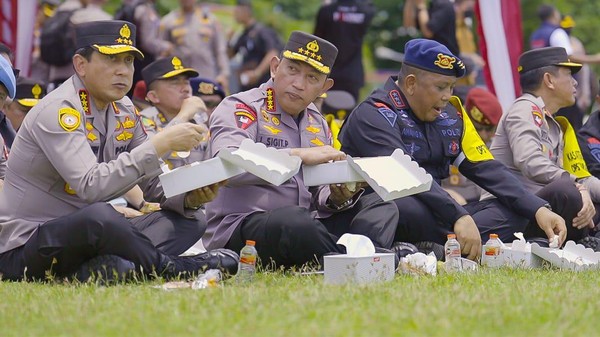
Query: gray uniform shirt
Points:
[247, 115]
[529, 141]
[66, 157]
[199, 41]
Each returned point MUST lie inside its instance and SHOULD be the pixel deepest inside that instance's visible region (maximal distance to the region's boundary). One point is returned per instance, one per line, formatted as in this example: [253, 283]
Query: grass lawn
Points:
[502, 302]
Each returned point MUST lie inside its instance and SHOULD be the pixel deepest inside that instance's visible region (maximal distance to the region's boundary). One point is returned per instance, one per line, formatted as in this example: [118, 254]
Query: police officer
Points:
[7, 90]
[82, 145]
[29, 92]
[170, 93]
[280, 114]
[210, 92]
[198, 39]
[542, 150]
[410, 112]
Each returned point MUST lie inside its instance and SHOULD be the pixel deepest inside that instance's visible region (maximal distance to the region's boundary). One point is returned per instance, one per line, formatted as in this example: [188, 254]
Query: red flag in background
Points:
[16, 30]
[500, 42]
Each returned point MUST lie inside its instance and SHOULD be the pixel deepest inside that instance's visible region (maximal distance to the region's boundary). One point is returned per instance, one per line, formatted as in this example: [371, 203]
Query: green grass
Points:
[488, 303]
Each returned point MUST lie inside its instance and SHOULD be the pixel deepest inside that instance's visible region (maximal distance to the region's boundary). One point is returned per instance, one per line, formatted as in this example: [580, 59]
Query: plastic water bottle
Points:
[247, 265]
[491, 252]
[452, 251]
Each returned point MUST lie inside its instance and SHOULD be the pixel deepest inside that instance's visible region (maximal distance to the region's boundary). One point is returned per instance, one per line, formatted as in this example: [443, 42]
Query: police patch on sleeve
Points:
[538, 117]
[244, 119]
[69, 119]
[472, 145]
[387, 113]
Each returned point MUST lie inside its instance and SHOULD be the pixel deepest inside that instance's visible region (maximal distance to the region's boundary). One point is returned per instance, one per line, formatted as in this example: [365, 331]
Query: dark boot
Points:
[188, 266]
[106, 269]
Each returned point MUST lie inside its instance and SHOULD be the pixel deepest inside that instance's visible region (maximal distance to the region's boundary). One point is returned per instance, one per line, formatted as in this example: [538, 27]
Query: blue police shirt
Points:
[384, 122]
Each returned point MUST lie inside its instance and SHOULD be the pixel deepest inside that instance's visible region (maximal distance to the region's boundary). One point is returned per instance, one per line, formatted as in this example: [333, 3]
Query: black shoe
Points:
[106, 269]
[427, 247]
[184, 266]
[590, 242]
[403, 249]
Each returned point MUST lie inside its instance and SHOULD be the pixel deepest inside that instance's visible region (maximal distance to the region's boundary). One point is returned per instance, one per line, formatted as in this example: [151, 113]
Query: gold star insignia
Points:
[306, 52]
[313, 55]
[300, 50]
[319, 57]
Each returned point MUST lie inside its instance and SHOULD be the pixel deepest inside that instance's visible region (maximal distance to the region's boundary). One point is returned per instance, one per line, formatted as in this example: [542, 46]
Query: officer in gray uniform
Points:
[290, 224]
[80, 146]
[198, 39]
[7, 90]
[534, 145]
[170, 93]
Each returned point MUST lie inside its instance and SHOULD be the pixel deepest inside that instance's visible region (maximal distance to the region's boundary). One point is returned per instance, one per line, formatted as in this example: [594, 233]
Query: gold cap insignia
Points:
[313, 46]
[445, 61]
[477, 115]
[206, 88]
[176, 62]
[125, 33]
[36, 91]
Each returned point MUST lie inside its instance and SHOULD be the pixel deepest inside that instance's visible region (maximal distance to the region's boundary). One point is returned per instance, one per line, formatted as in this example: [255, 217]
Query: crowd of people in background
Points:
[138, 91]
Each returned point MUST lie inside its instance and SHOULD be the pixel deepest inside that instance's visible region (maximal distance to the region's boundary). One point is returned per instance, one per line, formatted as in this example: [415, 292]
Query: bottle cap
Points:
[493, 236]
[250, 242]
[451, 236]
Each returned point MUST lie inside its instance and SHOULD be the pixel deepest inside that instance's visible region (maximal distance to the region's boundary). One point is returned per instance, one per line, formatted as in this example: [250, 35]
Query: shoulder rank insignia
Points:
[69, 119]
[272, 129]
[84, 98]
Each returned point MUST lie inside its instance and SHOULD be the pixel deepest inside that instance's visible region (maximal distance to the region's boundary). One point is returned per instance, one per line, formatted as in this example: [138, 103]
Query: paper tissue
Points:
[419, 264]
[360, 265]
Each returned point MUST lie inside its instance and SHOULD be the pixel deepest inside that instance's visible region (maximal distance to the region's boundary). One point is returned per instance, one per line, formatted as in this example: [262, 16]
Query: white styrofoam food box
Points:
[572, 256]
[394, 176]
[341, 269]
[337, 172]
[518, 258]
[197, 174]
[267, 163]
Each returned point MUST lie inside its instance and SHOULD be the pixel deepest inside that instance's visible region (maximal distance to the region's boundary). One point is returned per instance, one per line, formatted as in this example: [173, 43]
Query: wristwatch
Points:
[547, 205]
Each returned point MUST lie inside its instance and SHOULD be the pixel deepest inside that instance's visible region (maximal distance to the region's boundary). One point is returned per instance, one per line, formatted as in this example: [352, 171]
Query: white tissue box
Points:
[341, 269]
[518, 258]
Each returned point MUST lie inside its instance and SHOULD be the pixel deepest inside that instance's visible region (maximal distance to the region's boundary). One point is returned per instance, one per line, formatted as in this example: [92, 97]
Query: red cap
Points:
[483, 107]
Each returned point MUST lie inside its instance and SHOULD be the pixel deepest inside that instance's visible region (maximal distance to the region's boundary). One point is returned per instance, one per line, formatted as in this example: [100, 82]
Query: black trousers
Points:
[61, 245]
[291, 236]
[417, 222]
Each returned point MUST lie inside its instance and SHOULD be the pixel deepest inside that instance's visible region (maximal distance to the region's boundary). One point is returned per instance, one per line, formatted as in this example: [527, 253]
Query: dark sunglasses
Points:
[16, 72]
